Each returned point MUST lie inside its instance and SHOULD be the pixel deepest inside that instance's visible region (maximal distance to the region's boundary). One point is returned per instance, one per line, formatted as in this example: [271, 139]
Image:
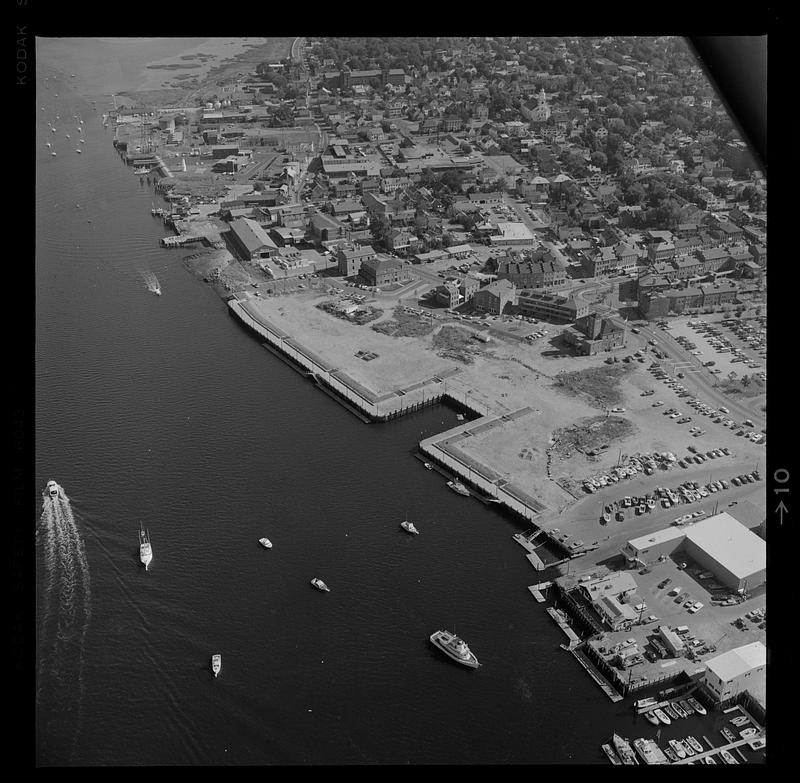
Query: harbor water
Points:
[164, 410]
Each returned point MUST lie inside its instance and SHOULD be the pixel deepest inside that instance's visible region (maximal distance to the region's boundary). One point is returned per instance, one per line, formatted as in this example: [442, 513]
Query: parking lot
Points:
[732, 345]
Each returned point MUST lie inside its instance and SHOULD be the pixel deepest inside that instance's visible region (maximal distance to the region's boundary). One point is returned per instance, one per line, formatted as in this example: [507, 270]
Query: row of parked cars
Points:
[722, 344]
[681, 598]
[645, 463]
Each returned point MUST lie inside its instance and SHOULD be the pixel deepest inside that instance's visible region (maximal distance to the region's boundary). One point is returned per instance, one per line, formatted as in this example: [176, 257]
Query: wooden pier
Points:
[606, 686]
[536, 590]
[730, 746]
[561, 621]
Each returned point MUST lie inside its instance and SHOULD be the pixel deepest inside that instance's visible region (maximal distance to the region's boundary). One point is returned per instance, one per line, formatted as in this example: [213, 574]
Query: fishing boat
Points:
[624, 749]
[671, 711]
[409, 527]
[649, 751]
[748, 733]
[265, 542]
[457, 486]
[455, 648]
[698, 708]
[728, 734]
[662, 716]
[677, 748]
[686, 707]
[740, 720]
[216, 663]
[53, 489]
[145, 549]
[609, 751]
[694, 743]
[652, 717]
[320, 585]
[643, 704]
[727, 757]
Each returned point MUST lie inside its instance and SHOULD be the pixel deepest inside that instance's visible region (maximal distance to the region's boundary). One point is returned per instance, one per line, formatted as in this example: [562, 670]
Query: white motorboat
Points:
[145, 549]
[265, 542]
[216, 663]
[698, 708]
[320, 585]
[409, 527]
[457, 486]
[53, 489]
[454, 647]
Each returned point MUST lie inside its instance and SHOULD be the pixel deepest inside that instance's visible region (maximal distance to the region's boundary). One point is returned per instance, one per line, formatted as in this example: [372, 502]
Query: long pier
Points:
[730, 746]
[606, 686]
[561, 622]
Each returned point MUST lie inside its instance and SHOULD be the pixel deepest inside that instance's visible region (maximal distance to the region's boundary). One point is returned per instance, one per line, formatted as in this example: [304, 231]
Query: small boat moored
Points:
[748, 733]
[662, 716]
[671, 754]
[216, 664]
[677, 707]
[457, 486]
[624, 749]
[643, 704]
[609, 751]
[694, 743]
[320, 585]
[698, 708]
[686, 707]
[652, 717]
[727, 757]
[728, 734]
[678, 748]
[265, 542]
[670, 710]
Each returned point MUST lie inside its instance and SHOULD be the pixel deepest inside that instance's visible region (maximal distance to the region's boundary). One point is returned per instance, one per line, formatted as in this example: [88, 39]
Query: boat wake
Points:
[151, 281]
[64, 614]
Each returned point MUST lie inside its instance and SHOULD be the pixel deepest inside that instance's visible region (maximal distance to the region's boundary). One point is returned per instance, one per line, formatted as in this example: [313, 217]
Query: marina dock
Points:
[730, 746]
[562, 622]
[606, 686]
[536, 590]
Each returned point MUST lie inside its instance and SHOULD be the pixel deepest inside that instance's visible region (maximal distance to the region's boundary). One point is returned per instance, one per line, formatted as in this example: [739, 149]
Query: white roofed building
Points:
[737, 670]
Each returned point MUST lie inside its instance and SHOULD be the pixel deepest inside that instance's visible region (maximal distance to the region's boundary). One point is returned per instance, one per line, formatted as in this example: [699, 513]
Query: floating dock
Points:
[562, 622]
[730, 746]
[536, 590]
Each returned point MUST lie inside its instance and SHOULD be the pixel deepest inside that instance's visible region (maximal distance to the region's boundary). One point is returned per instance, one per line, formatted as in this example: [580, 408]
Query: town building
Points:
[349, 259]
[547, 273]
[735, 671]
[495, 297]
[720, 544]
[382, 270]
[551, 307]
[251, 240]
[595, 334]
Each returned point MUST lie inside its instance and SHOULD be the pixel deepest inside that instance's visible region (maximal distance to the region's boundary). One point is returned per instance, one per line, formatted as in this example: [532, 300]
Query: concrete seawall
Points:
[371, 407]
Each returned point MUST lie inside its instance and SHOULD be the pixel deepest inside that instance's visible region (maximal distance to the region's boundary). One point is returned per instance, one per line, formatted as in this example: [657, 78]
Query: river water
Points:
[165, 410]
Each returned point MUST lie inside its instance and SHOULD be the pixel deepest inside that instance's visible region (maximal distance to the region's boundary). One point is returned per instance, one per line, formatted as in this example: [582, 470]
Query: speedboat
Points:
[652, 717]
[457, 486]
[662, 716]
[428, 465]
[53, 489]
[709, 760]
[265, 542]
[409, 527]
[687, 747]
[728, 734]
[698, 708]
[694, 743]
[677, 748]
[740, 720]
[686, 707]
[216, 663]
[727, 757]
[454, 647]
[320, 585]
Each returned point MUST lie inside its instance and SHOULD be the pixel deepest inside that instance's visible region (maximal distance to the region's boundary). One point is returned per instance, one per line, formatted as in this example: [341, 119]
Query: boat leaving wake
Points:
[64, 615]
[151, 281]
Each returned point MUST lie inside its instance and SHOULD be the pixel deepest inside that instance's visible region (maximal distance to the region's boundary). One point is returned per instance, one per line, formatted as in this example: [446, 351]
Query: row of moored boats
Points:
[622, 751]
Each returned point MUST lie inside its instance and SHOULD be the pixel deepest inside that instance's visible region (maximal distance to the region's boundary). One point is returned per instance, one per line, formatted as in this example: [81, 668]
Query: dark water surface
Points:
[164, 410]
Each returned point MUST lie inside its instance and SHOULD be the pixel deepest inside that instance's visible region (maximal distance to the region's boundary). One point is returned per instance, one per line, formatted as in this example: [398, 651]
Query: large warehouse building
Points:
[721, 544]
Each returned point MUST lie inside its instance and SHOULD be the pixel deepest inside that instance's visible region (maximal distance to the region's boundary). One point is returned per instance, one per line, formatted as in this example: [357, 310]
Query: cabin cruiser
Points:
[145, 550]
[409, 527]
[265, 542]
[454, 647]
[457, 486]
[216, 664]
[320, 585]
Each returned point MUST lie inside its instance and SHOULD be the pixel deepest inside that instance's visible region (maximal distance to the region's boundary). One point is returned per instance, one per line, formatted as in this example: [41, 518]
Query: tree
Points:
[599, 159]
